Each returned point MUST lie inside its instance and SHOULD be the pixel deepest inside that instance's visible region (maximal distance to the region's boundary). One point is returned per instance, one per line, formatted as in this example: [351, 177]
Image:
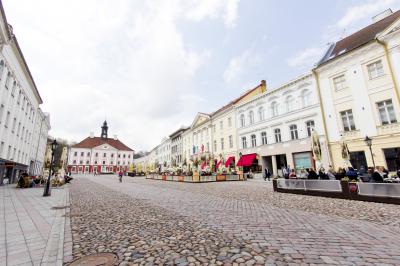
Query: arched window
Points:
[1, 69]
[264, 138]
[14, 87]
[242, 120]
[293, 132]
[289, 103]
[253, 141]
[306, 98]
[277, 133]
[8, 80]
[261, 113]
[251, 117]
[244, 142]
[274, 109]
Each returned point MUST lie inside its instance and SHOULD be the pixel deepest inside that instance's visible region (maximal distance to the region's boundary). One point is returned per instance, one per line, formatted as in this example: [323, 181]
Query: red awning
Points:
[247, 159]
[203, 165]
[218, 164]
[228, 161]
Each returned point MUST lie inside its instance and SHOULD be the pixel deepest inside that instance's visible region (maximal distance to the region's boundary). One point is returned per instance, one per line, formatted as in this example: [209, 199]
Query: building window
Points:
[104, 154]
[97, 154]
[123, 156]
[88, 154]
[229, 121]
[264, 138]
[244, 142]
[8, 80]
[7, 119]
[95, 162]
[261, 113]
[306, 98]
[119, 155]
[221, 125]
[310, 127]
[82, 153]
[222, 144]
[81, 162]
[104, 162]
[1, 112]
[87, 162]
[274, 109]
[347, 120]
[242, 120]
[277, 133]
[251, 117]
[293, 132]
[375, 69]
[339, 83]
[253, 141]
[230, 141]
[74, 162]
[386, 112]
[215, 145]
[1, 69]
[75, 153]
[289, 103]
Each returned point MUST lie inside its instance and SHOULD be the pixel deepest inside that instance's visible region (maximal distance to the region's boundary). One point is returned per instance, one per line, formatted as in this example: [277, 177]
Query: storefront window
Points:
[392, 157]
[302, 160]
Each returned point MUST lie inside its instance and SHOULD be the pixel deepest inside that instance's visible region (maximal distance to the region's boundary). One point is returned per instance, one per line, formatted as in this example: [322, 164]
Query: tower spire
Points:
[104, 130]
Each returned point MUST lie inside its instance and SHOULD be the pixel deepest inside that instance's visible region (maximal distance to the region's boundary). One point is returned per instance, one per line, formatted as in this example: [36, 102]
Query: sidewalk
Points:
[31, 232]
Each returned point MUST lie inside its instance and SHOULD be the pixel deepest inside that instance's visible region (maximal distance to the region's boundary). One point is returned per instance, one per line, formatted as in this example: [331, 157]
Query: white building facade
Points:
[274, 128]
[100, 155]
[23, 126]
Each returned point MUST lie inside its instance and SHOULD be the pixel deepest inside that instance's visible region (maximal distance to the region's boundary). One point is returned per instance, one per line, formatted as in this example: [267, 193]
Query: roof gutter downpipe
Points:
[394, 80]
[316, 76]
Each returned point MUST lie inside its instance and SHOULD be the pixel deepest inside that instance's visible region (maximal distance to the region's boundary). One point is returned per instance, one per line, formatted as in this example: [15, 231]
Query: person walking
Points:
[120, 176]
[267, 174]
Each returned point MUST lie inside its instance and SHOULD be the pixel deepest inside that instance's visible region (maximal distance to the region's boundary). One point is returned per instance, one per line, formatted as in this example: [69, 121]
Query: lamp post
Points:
[47, 191]
[368, 141]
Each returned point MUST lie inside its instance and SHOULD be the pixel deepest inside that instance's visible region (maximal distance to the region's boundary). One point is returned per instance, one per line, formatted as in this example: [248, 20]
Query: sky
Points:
[148, 67]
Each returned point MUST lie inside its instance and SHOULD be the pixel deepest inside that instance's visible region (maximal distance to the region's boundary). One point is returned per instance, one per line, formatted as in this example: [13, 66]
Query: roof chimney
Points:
[91, 135]
[263, 85]
[382, 15]
[115, 137]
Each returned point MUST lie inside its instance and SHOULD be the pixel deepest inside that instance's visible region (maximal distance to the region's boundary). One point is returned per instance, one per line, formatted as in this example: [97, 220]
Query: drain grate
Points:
[99, 259]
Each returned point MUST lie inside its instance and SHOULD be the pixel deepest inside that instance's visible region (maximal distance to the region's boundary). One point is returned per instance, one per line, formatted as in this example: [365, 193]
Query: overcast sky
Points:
[150, 66]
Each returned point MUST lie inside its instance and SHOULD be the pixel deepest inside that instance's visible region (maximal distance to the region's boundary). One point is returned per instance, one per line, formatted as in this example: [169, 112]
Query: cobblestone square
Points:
[148, 222]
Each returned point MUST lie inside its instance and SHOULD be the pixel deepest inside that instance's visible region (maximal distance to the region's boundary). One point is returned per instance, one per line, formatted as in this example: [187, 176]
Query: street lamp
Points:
[47, 191]
[368, 141]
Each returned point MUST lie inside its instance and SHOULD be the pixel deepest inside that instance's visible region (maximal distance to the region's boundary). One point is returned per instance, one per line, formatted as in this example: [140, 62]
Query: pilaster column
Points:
[274, 166]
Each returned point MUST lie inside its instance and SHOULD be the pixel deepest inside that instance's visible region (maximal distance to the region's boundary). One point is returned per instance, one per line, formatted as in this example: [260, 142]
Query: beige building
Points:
[358, 84]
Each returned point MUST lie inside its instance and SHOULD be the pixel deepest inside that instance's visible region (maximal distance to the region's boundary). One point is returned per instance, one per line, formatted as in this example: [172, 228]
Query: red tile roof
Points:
[90, 143]
[360, 37]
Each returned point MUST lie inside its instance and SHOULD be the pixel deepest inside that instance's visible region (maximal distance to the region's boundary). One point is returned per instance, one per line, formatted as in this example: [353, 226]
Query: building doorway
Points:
[357, 159]
[392, 157]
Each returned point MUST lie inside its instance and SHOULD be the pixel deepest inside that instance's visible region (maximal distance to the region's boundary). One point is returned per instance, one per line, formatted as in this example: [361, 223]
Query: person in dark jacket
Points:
[312, 174]
[377, 176]
[352, 174]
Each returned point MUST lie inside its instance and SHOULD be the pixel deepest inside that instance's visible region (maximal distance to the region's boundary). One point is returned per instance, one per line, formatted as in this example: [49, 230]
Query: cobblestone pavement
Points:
[31, 230]
[156, 222]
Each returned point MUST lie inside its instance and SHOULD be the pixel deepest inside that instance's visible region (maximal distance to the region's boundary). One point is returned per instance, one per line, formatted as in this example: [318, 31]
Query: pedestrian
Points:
[120, 176]
[285, 172]
[267, 174]
[331, 173]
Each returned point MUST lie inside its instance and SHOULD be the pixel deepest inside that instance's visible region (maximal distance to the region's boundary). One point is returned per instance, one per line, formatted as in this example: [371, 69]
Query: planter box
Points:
[164, 177]
[232, 178]
[208, 178]
[188, 178]
[196, 177]
[169, 178]
[175, 178]
[181, 178]
[221, 178]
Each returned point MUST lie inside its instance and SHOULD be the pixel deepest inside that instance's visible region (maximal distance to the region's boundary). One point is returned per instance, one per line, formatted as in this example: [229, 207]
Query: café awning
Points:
[228, 161]
[247, 159]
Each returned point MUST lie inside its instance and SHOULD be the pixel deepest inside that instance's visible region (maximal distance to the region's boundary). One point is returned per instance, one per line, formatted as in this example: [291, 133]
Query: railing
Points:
[379, 189]
[318, 185]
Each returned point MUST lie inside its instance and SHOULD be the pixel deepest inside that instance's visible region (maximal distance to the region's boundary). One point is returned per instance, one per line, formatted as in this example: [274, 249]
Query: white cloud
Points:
[306, 58]
[124, 60]
[240, 64]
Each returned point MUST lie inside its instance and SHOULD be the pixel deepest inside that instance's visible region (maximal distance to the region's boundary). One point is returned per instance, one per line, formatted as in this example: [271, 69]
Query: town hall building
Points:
[99, 155]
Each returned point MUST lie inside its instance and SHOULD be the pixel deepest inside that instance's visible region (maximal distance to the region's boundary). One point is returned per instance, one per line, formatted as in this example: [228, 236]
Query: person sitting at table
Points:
[398, 173]
[351, 173]
[292, 174]
[377, 176]
[312, 174]
[303, 173]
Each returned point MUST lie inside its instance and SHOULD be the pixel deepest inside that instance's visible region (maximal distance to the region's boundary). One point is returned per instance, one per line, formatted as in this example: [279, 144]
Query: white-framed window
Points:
[215, 145]
[82, 153]
[230, 141]
[222, 144]
[229, 121]
[274, 109]
[1, 112]
[348, 120]
[7, 119]
[261, 113]
[14, 125]
[221, 125]
[386, 112]
[1, 69]
[289, 103]
[310, 127]
[293, 132]
[306, 98]
[277, 133]
[264, 138]
[14, 87]
[339, 82]
[242, 120]
[251, 117]
[8, 80]
[244, 142]
[253, 140]
[375, 69]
